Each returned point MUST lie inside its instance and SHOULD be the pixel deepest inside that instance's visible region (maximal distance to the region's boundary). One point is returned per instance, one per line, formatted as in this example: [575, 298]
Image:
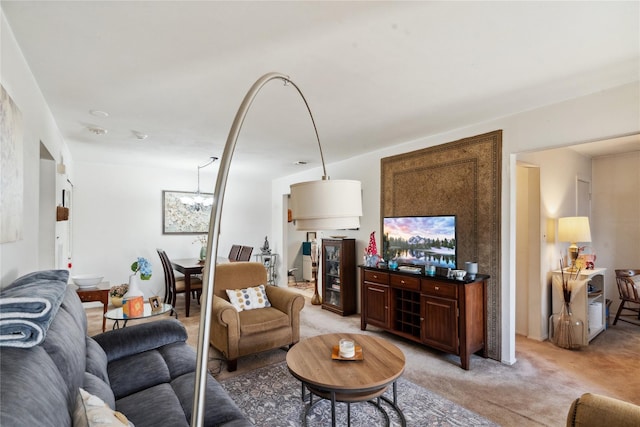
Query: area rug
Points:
[302, 285]
[271, 397]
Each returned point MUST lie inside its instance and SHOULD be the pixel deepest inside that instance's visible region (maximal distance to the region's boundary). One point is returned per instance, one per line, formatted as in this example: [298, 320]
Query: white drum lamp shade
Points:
[326, 204]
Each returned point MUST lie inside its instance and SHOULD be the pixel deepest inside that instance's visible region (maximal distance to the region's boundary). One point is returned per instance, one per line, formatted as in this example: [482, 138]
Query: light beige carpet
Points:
[535, 391]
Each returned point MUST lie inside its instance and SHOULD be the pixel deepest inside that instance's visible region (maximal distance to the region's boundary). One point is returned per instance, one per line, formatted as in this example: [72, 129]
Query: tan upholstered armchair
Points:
[237, 334]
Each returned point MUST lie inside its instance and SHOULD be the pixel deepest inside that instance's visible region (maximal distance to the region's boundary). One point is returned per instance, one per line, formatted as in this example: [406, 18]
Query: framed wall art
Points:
[11, 170]
[186, 212]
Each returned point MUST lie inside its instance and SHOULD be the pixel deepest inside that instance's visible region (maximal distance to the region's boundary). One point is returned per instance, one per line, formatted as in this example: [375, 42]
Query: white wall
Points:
[21, 257]
[616, 217]
[599, 116]
[118, 217]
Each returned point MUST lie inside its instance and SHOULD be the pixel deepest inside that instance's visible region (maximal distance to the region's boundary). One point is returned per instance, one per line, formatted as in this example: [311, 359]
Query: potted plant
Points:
[117, 292]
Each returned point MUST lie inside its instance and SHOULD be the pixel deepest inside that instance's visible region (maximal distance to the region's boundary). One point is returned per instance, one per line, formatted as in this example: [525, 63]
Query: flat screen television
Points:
[420, 240]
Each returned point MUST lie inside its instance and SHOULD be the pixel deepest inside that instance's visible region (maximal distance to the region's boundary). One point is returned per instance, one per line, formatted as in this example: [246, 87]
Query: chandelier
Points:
[197, 202]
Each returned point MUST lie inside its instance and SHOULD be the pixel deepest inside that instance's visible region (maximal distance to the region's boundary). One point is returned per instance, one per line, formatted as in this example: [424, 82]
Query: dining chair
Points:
[245, 253]
[175, 285]
[628, 282]
[234, 252]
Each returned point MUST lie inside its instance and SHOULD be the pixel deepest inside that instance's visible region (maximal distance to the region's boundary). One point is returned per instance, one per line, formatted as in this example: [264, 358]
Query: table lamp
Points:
[574, 229]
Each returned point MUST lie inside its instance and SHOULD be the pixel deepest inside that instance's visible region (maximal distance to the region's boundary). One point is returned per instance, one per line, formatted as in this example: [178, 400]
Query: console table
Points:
[98, 293]
[446, 314]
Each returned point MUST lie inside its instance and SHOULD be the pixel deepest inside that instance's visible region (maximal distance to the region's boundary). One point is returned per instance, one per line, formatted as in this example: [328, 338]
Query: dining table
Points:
[190, 267]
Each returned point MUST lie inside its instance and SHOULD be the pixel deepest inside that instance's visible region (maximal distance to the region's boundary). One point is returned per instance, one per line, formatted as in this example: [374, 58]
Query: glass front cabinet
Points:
[339, 276]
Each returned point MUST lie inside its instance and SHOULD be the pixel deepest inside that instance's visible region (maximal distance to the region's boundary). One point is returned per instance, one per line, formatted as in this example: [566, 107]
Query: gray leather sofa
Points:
[144, 371]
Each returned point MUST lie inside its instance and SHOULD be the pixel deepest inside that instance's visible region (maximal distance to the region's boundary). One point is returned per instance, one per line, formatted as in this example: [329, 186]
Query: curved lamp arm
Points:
[197, 417]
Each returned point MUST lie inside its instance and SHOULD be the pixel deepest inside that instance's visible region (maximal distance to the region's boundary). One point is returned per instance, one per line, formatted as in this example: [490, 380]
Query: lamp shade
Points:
[574, 229]
[326, 204]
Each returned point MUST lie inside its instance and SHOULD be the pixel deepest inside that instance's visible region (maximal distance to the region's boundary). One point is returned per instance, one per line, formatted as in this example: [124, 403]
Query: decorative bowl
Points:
[458, 274]
[87, 280]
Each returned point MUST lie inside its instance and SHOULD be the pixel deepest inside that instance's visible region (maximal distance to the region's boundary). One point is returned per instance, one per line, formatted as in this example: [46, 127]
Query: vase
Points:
[134, 287]
[568, 331]
[116, 301]
[133, 300]
[203, 253]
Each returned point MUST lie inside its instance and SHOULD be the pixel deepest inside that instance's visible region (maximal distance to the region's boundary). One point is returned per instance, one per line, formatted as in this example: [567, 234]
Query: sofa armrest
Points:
[596, 410]
[136, 339]
[285, 300]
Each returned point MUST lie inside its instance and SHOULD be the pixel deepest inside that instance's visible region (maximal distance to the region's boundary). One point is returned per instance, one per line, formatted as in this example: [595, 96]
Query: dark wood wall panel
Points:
[460, 178]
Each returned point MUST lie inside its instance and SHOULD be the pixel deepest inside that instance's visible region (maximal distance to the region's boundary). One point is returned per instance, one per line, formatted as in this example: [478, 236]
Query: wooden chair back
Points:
[627, 287]
[169, 278]
[245, 253]
[234, 252]
[628, 281]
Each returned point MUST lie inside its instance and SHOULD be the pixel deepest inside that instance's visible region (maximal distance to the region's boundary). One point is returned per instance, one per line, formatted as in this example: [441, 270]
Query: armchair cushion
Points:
[248, 298]
[262, 321]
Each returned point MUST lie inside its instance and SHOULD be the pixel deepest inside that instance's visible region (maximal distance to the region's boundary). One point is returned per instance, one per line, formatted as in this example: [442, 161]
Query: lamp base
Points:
[573, 255]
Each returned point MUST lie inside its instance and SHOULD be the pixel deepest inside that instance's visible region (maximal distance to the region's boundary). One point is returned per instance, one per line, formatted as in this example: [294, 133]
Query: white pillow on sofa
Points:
[249, 298]
[91, 411]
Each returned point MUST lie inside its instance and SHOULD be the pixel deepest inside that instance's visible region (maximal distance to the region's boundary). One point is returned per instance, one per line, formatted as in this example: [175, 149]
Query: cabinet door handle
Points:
[375, 276]
[402, 281]
[437, 288]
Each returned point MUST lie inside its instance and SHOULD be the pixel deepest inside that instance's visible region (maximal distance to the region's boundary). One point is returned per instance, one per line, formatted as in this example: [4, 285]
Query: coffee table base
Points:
[364, 397]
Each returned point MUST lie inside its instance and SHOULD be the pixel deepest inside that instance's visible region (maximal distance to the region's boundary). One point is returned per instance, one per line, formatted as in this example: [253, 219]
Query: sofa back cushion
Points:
[66, 344]
[32, 390]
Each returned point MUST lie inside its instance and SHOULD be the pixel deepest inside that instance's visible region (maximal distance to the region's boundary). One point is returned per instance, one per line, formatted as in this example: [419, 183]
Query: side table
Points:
[117, 314]
[269, 261]
[99, 293]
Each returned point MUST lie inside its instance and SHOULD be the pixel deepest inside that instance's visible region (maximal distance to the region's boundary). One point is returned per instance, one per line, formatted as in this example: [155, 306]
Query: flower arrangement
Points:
[119, 290]
[201, 239]
[143, 266]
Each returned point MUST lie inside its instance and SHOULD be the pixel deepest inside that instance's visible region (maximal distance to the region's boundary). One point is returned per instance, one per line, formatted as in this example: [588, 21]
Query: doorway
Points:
[529, 321]
[47, 211]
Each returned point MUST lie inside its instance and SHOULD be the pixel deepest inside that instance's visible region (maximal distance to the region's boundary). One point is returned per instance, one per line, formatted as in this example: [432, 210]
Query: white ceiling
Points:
[375, 73]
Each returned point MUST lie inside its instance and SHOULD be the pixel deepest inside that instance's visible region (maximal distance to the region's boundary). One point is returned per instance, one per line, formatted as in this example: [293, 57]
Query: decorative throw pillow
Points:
[249, 298]
[91, 411]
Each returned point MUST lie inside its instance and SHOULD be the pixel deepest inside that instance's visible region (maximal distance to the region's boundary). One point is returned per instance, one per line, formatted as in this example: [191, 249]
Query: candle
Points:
[347, 348]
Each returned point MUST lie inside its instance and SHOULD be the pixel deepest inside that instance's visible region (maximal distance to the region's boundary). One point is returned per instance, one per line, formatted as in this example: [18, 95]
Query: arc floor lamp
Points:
[315, 205]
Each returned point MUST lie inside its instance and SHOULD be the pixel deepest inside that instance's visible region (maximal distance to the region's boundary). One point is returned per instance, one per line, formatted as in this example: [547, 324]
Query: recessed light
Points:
[98, 113]
[140, 135]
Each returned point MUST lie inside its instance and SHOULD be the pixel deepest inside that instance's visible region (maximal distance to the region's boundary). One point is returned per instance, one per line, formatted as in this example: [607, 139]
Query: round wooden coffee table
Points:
[313, 362]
